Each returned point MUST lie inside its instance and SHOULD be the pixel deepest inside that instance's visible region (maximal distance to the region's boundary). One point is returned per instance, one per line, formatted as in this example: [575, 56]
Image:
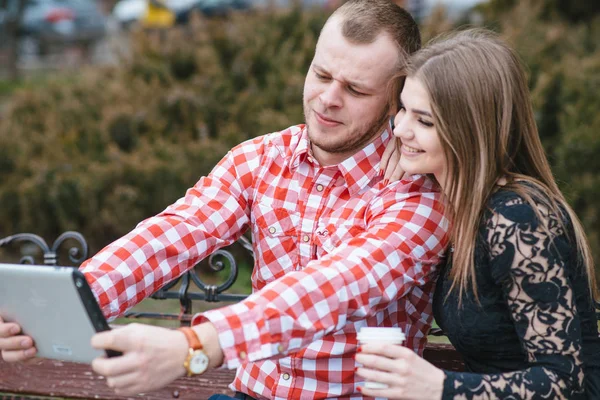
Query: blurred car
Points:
[326, 4]
[130, 12]
[46, 24]
[210, 8]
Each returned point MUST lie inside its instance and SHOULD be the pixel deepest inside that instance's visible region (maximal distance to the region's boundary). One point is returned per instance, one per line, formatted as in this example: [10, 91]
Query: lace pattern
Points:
[529, 261]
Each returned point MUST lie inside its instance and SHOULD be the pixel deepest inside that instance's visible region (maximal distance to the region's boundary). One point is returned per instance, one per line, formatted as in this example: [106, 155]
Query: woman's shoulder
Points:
[522, 202]
[524, 212]
[522, 224]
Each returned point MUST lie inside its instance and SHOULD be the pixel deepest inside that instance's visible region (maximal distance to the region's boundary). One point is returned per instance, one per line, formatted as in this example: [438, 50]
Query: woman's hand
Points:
[390, 161]
[407, 375]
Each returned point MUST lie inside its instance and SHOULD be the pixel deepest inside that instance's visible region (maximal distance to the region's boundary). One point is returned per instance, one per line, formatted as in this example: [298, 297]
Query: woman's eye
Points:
[426, 123]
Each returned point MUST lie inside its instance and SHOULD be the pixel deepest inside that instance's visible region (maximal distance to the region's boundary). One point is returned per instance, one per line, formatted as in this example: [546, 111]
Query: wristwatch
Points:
[196, 362]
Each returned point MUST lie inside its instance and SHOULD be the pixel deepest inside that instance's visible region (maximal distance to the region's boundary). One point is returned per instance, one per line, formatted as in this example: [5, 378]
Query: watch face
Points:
[198, 362]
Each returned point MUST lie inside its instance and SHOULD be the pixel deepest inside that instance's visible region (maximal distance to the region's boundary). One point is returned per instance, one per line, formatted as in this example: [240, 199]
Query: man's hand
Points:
[15, 347]
[390, 161]
[152, 356]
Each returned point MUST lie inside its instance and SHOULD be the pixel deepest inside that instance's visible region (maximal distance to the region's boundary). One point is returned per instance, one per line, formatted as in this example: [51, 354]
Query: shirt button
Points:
[280, 348]
[320, 188]
[286, 376]
[243, 355]
[306, 238]
[272, 229]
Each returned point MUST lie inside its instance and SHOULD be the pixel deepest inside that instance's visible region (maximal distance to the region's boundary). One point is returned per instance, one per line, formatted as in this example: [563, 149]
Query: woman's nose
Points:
[401, 125]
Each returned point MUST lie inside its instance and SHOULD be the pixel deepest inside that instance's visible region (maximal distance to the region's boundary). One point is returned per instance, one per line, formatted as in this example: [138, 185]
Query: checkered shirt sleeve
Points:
[213, 214]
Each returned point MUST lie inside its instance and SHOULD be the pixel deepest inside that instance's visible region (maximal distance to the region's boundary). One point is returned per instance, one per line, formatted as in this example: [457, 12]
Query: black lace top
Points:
[534, 334]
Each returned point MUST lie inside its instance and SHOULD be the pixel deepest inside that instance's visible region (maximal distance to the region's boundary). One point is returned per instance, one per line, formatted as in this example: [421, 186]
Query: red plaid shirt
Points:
[335, 250]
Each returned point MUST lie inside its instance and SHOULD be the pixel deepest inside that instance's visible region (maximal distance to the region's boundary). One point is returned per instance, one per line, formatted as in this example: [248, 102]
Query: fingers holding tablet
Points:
[152, 357]
[15, 347]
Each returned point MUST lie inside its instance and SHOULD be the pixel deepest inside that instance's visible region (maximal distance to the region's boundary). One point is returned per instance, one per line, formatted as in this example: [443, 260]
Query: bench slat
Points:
[77, 381]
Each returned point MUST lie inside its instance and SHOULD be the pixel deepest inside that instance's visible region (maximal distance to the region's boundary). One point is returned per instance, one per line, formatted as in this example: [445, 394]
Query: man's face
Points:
[345, 93]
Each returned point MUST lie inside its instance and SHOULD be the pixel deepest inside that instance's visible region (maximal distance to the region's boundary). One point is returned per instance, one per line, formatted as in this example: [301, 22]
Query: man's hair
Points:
[362, 21]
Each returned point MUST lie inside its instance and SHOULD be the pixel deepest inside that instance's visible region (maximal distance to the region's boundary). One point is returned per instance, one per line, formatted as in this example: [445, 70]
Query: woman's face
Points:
[421, 147]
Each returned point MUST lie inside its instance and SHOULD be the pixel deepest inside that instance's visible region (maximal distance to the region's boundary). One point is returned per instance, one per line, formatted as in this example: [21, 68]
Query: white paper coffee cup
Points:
[382, 335]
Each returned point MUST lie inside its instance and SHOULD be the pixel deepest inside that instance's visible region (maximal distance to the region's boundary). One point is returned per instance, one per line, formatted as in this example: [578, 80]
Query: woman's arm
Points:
[530, 261]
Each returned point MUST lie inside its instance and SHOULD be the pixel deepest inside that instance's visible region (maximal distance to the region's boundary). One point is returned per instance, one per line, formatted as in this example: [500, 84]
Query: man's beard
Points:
[353, 142]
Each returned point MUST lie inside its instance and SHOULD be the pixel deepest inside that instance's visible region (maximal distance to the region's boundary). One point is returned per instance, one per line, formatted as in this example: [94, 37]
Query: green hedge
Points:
[563, 58]
[102, 149]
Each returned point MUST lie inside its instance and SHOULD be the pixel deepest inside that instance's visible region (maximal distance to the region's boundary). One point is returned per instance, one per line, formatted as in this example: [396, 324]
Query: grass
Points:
[36, 397]
[7, 87]
[31, 81]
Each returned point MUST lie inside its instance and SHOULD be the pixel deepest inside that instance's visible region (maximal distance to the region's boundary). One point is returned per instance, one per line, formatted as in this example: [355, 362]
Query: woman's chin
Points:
[410, 169]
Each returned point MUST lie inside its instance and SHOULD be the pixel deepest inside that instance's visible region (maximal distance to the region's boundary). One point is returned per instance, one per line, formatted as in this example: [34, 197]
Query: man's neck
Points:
[326, 158]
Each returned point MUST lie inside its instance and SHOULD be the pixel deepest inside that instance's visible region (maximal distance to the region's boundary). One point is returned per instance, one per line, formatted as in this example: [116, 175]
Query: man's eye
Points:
[355, 92]
[320, 76]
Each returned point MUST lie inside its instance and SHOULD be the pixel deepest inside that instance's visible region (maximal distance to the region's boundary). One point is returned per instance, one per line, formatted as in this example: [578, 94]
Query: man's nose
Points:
[331, 96]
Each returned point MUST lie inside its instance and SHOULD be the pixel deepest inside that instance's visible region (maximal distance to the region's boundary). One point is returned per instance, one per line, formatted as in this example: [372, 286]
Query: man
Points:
[335, 248]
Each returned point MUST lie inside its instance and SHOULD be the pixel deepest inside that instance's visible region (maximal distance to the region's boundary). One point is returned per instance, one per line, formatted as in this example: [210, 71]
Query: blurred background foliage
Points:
[99, 150]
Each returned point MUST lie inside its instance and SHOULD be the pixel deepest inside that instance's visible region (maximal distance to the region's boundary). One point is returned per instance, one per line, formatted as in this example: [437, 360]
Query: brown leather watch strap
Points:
[192, 338]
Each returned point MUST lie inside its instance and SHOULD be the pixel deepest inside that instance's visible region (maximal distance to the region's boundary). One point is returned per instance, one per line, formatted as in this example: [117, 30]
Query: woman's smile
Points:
[411, 150]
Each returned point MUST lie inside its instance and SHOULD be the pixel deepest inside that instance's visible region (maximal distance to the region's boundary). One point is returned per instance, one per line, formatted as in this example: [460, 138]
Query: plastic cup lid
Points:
[380, 333]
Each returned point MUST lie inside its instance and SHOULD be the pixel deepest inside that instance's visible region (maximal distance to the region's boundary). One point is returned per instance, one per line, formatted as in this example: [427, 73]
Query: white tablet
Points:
[55, 306]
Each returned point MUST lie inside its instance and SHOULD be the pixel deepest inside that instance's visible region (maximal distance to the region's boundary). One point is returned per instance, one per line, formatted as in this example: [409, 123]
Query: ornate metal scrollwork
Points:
[217, 261]
[76, 255]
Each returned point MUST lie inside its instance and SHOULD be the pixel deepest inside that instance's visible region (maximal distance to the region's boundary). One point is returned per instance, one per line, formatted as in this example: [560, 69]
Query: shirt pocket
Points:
[331, 234]
[276, 238]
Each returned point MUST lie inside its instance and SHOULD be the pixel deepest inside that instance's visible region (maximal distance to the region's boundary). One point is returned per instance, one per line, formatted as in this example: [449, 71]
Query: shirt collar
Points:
[358, 170]
[302, 150]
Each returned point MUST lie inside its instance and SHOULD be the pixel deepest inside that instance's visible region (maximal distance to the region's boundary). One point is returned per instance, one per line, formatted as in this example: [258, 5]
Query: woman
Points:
[516, 297]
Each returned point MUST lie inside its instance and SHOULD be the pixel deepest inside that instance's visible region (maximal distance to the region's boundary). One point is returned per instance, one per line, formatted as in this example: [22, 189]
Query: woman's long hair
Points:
[484, 118]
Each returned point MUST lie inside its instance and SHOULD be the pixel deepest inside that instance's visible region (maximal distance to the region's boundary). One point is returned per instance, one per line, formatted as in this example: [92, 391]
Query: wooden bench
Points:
[51, 378]
[40, 378]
